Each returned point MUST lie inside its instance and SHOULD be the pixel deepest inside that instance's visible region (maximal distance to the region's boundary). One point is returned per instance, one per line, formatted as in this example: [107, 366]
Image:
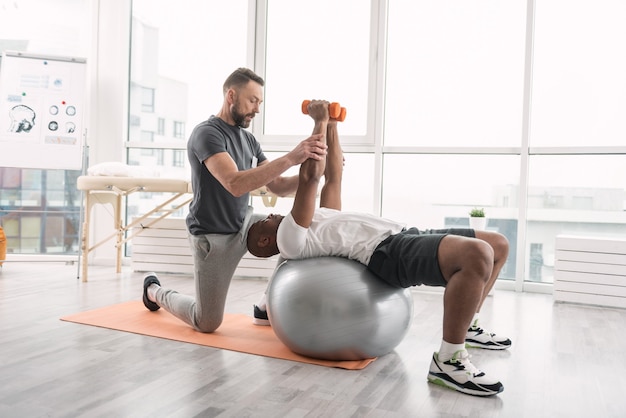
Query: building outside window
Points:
[179, 130]
[178, 158]
[147, 100]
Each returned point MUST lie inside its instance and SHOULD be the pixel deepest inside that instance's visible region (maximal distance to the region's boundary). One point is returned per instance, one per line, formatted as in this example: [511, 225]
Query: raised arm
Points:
[331, 191]
[311, 170]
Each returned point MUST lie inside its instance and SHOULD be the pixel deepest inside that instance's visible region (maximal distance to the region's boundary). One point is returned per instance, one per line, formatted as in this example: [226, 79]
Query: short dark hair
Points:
[240, 77]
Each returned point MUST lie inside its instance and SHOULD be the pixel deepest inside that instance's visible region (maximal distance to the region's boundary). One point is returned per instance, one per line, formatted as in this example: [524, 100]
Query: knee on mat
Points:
[207, 327]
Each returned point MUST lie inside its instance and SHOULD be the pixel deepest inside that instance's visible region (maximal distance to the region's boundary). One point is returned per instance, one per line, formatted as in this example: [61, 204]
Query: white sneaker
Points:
[477, 337]
[460, 374]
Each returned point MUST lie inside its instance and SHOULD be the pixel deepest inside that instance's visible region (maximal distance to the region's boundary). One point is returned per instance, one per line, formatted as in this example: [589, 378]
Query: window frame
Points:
[353, 143]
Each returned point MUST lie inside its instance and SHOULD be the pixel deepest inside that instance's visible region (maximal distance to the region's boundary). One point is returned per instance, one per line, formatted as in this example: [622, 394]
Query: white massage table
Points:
[113, 189]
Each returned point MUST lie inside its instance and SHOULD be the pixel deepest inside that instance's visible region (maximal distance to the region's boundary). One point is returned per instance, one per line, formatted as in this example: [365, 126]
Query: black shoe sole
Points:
[152, 306]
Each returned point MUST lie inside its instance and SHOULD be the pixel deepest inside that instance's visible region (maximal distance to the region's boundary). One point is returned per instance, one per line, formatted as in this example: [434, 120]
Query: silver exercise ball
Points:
[333, 308]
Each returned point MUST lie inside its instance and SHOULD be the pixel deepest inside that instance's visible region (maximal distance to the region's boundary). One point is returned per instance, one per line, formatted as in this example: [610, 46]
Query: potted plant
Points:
[477, 219]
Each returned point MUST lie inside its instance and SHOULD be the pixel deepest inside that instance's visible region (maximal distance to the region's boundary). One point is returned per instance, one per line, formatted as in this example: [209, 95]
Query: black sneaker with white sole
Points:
[260, 317]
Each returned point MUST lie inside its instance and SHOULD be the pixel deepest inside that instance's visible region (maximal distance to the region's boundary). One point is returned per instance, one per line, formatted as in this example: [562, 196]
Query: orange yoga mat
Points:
[237, 333]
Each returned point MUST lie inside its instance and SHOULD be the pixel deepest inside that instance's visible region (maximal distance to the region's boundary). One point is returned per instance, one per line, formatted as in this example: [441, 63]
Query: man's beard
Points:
[239, 118]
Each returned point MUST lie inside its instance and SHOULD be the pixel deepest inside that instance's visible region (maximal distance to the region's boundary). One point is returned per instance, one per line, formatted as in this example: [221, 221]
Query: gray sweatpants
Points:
[215, 258]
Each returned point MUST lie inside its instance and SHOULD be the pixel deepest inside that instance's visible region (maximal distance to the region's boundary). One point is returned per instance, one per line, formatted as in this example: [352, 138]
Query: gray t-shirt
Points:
[213, 210]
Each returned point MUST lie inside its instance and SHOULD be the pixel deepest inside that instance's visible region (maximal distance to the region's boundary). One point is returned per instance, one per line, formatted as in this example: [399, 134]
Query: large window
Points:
[579, 88]
[576, 175]
[479, 103]
[573, 195]
[39, 210]
[309, 54]
[48, 27]
[438, 191]
[181, 52]
[357, 193]
[455, 73]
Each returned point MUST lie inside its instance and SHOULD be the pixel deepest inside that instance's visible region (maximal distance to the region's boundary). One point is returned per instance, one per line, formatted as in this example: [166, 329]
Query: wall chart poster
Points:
[41, 111]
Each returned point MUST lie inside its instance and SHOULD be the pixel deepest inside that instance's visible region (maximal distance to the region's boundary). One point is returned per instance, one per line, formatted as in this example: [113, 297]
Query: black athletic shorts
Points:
[410, 257]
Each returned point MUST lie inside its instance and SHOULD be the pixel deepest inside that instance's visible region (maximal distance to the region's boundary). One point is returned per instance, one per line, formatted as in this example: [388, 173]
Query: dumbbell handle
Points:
[335, 110]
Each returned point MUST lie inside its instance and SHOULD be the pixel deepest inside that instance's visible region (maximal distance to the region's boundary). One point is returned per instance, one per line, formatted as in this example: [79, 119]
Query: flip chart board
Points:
[42, 107]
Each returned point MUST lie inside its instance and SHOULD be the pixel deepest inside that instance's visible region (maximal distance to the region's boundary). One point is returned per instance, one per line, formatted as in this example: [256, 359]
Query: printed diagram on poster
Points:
[41, 111]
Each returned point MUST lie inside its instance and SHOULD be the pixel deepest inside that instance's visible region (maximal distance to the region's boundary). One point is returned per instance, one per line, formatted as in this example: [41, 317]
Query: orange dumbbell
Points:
[334, 110]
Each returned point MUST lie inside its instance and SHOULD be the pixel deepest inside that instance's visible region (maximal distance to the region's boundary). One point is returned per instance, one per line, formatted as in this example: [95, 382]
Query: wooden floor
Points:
[566, 360]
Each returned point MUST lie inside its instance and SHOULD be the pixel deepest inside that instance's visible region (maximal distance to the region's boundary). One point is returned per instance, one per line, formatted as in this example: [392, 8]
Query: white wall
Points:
[108, 65]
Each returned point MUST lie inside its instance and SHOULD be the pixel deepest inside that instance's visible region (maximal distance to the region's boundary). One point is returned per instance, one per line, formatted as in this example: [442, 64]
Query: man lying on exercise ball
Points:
[464, 261]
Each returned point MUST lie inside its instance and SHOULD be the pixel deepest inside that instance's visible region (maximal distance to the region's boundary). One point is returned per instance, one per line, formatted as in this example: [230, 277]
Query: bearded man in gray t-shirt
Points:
[227, 163]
